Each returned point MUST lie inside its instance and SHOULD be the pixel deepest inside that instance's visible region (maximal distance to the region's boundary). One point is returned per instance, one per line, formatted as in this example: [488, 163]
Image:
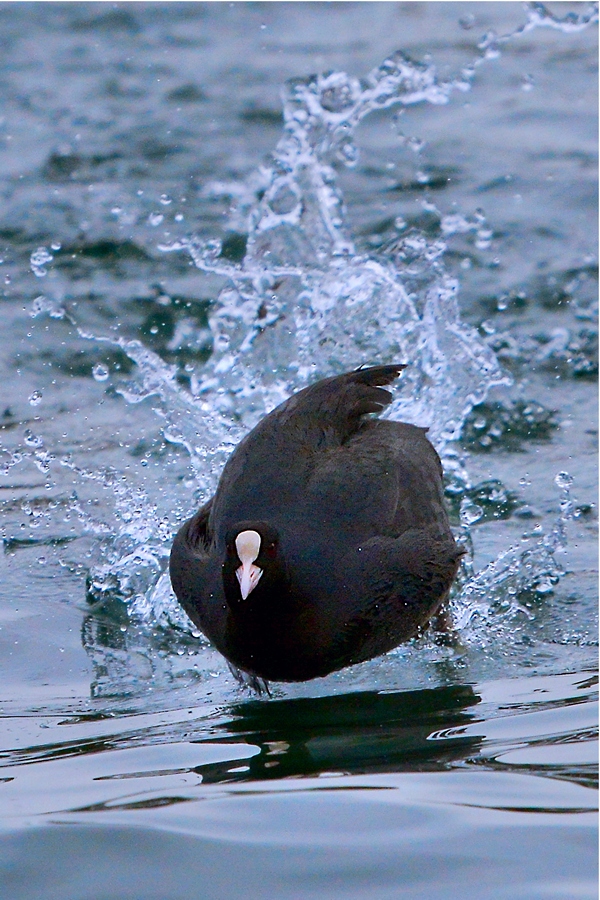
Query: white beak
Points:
[247, 544]
[248, 576]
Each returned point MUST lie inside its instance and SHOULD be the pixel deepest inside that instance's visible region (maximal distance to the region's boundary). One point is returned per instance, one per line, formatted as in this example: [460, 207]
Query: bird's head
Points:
[253, 564]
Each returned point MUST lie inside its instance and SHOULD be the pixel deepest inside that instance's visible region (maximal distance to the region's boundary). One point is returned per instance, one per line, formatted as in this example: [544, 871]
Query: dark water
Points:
[164, 281]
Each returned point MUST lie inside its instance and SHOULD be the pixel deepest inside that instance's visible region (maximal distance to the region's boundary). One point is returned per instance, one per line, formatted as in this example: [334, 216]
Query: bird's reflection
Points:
[367, 731]
[358, 733]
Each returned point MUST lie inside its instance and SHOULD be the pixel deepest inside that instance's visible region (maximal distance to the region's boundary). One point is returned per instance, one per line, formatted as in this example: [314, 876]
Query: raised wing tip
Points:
[376, 375]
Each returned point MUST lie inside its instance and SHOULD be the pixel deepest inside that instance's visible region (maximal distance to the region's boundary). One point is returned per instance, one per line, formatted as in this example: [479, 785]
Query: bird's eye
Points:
[271, 549]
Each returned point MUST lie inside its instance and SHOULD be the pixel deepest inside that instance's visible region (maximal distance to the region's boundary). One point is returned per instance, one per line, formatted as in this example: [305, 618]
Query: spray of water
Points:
[304, 304]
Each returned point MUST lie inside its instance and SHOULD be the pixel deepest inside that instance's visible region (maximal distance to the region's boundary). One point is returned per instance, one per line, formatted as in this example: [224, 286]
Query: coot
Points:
[326, 542]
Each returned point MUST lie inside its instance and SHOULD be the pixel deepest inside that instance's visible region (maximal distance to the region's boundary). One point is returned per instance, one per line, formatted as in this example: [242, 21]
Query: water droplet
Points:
[41, 304]
[467, 22]
[483, 238]
[563, 481]
[155, 219]
[42, 560]
[38, 260]
[31, 439]
[416, 145]
[527, 83]
[100, 372]
[469, 512]
[165, 200]
[35, 399]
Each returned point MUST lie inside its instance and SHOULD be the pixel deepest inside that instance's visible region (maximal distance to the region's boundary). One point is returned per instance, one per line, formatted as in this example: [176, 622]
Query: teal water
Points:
[164, 281]
[486, 789]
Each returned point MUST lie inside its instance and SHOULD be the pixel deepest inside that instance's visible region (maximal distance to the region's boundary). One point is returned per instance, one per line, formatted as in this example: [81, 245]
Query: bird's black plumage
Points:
[350, 532]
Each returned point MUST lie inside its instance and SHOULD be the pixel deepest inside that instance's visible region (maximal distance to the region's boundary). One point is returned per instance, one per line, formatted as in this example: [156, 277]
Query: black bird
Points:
[326, 542]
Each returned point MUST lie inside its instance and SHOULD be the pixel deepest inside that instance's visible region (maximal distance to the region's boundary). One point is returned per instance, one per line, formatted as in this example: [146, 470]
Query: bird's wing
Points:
[267, 474]
[196, 530]
[399, 585]
[190, 551]
[384, 480]
[331, 411]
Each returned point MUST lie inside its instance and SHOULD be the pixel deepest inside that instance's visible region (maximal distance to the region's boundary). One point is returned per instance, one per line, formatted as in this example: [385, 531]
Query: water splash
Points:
[302, 304]
[298, 308]
[497, 594]
[187, 420]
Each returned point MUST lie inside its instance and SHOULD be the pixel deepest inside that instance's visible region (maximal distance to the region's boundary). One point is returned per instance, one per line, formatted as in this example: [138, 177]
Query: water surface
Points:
[205, 207]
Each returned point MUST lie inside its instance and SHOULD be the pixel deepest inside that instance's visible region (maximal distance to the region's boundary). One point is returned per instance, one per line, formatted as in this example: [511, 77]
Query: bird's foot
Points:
[259, 685]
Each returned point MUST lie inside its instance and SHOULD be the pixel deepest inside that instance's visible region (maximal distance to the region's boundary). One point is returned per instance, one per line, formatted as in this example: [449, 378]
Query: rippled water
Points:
[194, 225]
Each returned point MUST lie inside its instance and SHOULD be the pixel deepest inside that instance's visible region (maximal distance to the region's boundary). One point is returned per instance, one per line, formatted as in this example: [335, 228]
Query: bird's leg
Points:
[259, 685]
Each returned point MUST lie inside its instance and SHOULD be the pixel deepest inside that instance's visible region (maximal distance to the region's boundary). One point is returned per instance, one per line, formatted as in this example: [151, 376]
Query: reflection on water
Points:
[544, 726]
[349, 734]
[277, 794]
